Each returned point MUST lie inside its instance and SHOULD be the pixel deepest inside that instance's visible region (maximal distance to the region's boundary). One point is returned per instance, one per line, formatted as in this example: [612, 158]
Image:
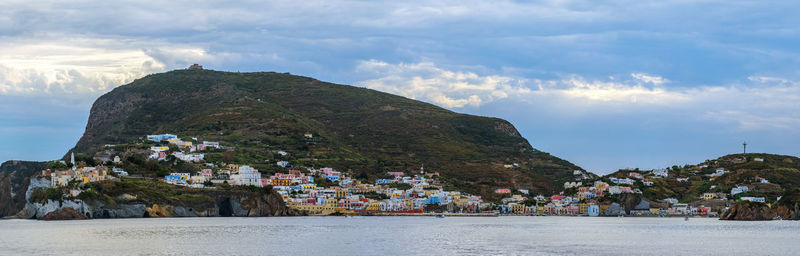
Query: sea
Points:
[544, 235]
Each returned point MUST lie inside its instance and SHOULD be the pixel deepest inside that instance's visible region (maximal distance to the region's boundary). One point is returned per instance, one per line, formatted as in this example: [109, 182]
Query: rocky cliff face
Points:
[748, 211]
[14, 180]
[6, 200]
[788, 212]
[228, 204]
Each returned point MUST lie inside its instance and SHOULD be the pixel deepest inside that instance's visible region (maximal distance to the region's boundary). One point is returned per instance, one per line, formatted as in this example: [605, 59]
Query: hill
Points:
[774, 177]
[361, 131]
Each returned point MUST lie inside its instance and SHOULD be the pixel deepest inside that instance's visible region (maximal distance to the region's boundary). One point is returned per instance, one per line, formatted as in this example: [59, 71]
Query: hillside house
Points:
[247, 176]
[502, 191]
[739, 189]
[753, 199]
[161, 137]
[661, 173]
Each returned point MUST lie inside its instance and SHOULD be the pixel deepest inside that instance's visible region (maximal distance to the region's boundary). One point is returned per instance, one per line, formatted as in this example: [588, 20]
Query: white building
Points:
[119, 171]
[283, 163]
[661, 173]
[754, 199]
[247, 176]
[719, 172]
[627, 181]
[189, 157]
[739, 189]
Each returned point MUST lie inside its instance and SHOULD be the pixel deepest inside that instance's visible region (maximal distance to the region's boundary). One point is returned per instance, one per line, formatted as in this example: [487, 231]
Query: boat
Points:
[440, 216]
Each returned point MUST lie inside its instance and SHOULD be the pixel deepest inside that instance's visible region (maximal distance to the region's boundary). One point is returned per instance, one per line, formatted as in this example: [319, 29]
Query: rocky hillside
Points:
[356, 130]
[14, 180]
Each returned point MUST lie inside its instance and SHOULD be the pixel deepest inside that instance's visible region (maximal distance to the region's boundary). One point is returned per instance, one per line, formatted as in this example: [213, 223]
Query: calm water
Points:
[400, 236]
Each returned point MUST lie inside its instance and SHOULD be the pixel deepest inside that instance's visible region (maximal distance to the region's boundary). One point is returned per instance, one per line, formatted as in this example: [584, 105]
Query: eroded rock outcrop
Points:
[65, 213]
[748, 211]
[228, 204]
[6, 197]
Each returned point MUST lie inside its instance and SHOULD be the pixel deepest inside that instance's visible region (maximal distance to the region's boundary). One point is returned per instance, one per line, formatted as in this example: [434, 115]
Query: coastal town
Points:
[326, 191]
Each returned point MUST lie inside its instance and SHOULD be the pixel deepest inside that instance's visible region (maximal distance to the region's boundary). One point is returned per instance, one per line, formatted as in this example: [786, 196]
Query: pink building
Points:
[573, 210]
[327, 171]
[503, 191]
[396, 174]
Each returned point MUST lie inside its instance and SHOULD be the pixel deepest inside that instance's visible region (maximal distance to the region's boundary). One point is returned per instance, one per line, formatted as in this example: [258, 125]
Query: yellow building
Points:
[330, 202]
[708, 196]
[584, 208]
[313, 209]
[282, 182]
[375, 206]
[233, 167]
[159, 148]
[186, 144]
[397, 193]
[518, 208]
[341, 193]
[461, 202]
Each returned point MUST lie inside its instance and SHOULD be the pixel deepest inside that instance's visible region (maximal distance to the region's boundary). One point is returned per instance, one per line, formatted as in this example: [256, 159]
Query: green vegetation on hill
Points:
[781, 172]
[352, 129]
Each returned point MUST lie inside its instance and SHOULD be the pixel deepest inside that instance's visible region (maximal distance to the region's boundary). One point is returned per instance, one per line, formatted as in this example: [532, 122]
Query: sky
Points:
[603, 84]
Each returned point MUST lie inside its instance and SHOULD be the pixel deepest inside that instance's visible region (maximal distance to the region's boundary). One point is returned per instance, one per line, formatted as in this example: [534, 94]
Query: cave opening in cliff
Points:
[225, 208]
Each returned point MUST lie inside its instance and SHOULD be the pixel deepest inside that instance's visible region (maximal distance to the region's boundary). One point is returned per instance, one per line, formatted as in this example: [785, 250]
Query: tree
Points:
[56, 165]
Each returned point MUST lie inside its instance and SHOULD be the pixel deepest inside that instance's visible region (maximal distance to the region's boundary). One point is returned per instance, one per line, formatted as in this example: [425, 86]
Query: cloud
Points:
[453, 89]
[760, 104]
[87, 66]
[609, 91]
[656, 80]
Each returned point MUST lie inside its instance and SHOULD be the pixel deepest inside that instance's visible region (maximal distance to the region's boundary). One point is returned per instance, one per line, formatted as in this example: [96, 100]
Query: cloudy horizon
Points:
[603, 85]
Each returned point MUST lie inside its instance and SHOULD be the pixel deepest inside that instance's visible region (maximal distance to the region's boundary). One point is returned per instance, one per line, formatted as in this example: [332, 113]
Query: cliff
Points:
[14, 180]
[748, 211]
[137, 199]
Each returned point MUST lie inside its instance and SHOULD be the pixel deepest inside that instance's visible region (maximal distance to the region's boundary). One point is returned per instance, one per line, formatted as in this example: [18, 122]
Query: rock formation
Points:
[748, 211]
[65, 213]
